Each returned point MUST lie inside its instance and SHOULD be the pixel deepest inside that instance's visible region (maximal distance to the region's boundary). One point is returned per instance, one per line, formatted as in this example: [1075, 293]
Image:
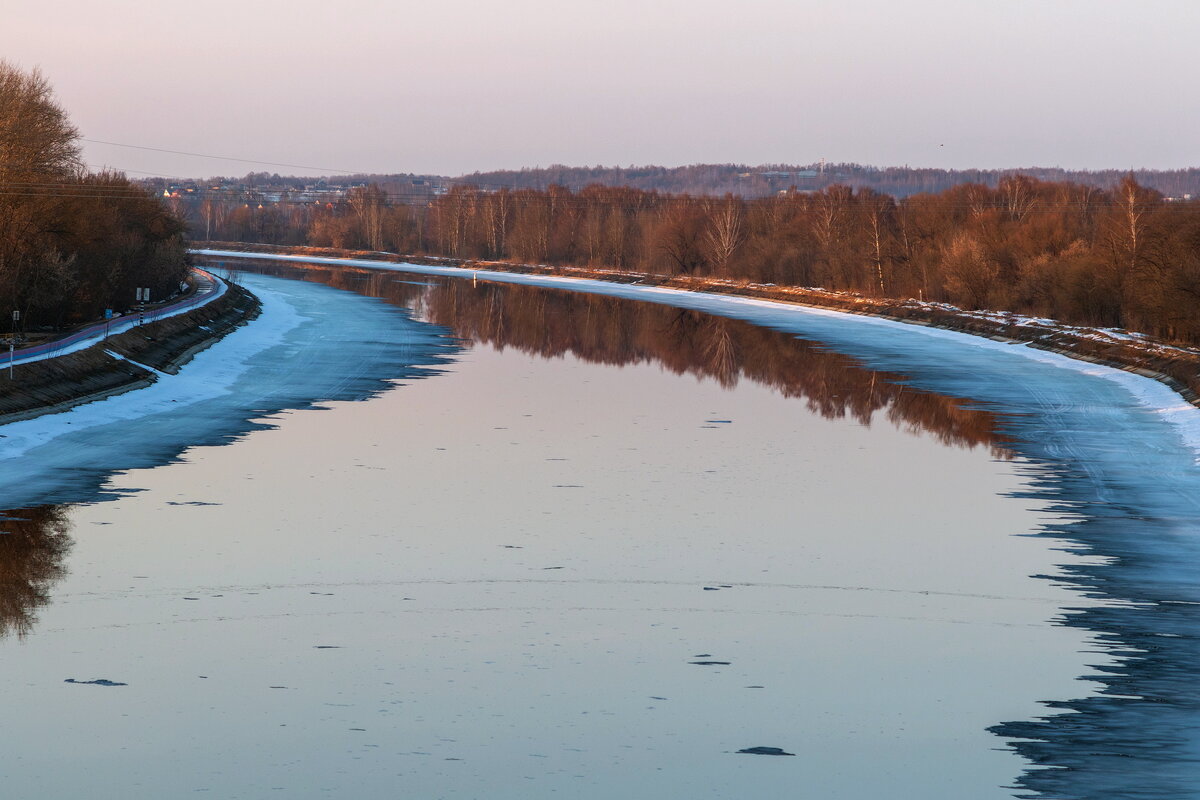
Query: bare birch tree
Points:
[725, 232]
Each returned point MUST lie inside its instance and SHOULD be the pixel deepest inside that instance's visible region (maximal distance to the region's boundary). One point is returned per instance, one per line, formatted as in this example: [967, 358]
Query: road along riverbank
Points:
[83, 368]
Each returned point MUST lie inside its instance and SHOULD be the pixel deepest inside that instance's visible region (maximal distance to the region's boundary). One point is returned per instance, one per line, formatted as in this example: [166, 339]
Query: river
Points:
[423, 537]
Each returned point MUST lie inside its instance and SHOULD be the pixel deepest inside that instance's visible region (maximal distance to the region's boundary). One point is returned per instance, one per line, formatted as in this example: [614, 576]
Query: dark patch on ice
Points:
[551, 567]
[191, 503]
[702, 655]
[755, 687]
[711, 663]
[322, 594]
[655, 697]
[97, 682]
[766, 751]
[711, 589]
[568, 486]
[512, 547]
[364, 730]
[720, 421]
[327, 647]
[191, 598]
[276, 687]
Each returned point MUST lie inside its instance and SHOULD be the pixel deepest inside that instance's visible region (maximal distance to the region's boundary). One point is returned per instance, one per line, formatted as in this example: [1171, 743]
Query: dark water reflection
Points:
[607, 330]
[1137, 738]
[1136, 734]
[34, 543]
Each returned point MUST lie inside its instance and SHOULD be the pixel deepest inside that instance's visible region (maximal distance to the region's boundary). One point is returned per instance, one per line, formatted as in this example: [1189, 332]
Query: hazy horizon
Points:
[307, 88]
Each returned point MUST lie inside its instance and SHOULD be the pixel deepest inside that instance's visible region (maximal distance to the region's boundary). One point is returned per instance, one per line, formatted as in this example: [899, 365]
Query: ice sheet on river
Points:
[1136, 438]
[1119, 452]
[310, 344]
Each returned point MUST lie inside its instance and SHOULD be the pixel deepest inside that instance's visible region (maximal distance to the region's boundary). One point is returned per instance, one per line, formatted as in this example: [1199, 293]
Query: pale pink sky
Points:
[460, 85]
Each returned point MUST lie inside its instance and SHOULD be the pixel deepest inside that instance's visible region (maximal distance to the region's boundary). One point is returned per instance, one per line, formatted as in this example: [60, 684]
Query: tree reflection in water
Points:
[1134, 732]
[609, 330]
[34, 543]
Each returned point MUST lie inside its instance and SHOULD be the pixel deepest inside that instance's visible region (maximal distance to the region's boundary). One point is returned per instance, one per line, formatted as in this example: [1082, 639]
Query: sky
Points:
[450, 87]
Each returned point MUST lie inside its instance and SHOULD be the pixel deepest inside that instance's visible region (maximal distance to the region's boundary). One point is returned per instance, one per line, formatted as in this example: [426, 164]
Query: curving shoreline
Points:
[1176, 367]
[124, 361]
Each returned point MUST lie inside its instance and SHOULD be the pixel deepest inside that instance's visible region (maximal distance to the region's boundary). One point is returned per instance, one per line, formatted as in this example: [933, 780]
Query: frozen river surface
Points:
[589, 548]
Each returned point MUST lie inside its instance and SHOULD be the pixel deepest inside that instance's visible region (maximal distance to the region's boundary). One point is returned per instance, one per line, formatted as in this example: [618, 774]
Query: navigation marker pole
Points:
[143, 297]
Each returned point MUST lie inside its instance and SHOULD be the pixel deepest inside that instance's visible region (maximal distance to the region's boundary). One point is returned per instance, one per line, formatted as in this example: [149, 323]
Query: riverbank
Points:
[1176, 366]
[123, 362]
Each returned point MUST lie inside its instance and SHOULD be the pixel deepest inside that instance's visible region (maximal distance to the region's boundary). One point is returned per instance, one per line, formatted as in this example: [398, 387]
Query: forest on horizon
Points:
[768, 179]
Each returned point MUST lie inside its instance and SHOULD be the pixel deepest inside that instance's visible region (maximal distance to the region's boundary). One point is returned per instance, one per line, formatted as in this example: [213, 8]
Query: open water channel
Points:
[423, 537]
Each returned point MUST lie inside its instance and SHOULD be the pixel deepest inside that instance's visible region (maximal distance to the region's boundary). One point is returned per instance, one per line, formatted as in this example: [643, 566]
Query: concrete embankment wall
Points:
[56, 384]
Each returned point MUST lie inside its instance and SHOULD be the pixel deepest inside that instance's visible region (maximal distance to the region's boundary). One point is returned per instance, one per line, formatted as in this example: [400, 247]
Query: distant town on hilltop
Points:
[697, 179]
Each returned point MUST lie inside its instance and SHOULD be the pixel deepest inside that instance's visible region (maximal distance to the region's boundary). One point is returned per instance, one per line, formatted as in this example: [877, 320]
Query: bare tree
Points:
[879, 211]
[368, 203]
[36, 138]
[971, 274]
[1018, 193]
[725, 231]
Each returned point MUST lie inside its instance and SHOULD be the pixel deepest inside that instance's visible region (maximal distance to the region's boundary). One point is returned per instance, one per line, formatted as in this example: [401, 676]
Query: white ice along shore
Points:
[1125, 443]
[1118, 447]
[1131, 440]
[287, 358]
[1184, 417]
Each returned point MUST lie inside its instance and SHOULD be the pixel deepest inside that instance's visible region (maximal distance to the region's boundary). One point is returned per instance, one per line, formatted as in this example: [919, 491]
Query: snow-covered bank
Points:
[310, 344]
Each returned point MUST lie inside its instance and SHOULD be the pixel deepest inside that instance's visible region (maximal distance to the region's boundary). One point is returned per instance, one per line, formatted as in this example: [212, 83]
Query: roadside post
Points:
[12, 341]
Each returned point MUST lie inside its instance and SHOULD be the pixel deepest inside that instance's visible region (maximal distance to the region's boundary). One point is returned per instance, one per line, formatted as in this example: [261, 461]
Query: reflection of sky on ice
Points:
[911, 677]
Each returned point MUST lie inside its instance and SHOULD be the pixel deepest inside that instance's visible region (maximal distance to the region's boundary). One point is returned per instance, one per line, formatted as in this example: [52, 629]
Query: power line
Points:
[228, 158]
[109, 167]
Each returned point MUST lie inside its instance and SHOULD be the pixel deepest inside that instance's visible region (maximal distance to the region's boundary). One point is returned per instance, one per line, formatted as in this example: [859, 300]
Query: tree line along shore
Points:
[1176, 366]
[75, 244]
[1125, 257]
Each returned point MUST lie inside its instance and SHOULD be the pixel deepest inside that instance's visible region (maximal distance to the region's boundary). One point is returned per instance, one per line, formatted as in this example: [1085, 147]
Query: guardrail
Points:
[209, 287]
